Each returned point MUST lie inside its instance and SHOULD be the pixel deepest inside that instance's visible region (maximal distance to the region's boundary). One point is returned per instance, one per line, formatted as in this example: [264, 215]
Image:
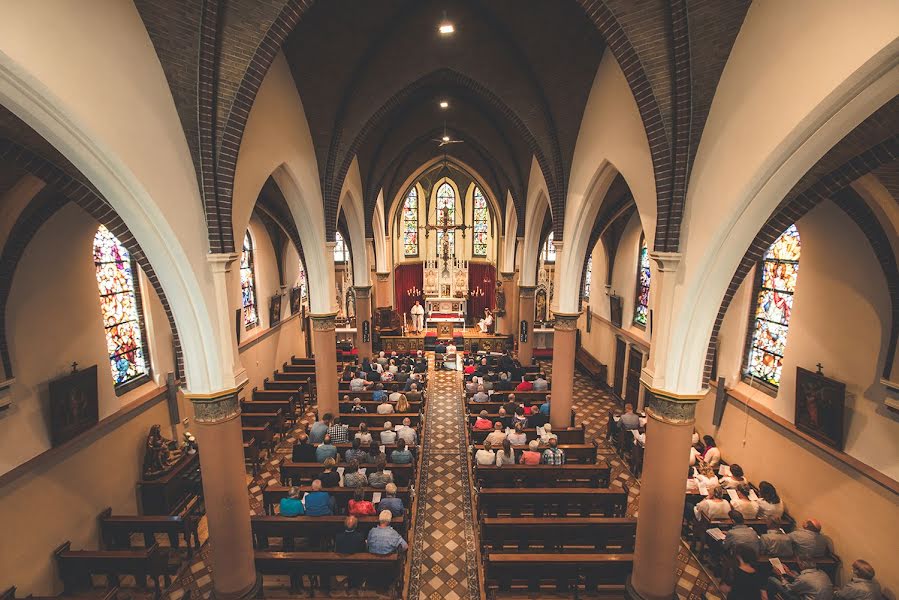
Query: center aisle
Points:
[444, 563]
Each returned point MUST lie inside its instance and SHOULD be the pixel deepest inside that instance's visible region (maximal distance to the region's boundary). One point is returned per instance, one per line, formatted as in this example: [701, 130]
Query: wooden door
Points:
[634, 366]
[620, 355]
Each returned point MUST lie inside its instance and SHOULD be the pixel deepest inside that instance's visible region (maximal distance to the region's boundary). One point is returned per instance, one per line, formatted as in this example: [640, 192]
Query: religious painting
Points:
[820, 404]
[500, 299]
[616, 310]
[274, 311]
[74, 405]
[295, 300]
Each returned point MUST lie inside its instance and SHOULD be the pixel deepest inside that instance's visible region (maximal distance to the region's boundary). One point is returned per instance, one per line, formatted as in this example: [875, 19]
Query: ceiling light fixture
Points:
[446, 26]
[446, 138]
[444, 104]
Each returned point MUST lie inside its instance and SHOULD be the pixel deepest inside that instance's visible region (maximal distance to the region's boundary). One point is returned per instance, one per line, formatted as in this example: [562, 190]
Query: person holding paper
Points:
[734, 479]
[379, 478]
[353, 477]
[740, 535]
[401, 456]
[518, 437]
[810, 583]
[862, 586]
[775, 542]
[356, 453]
[741, 503]
[358, 506]
[747, 583]
[713, 508]
[329, 476]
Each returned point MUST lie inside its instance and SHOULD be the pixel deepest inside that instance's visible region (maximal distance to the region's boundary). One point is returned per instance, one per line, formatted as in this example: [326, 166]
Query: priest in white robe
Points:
[485, 323]
[418, 317]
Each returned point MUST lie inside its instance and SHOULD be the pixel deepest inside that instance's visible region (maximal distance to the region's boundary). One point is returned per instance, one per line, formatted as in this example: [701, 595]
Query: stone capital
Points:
[382, 276]
[363, 292]
[221, 262]
[324, 322]
[216, 407]
[527, 291]
[565, 321]
[671, 408]
[666, 261]
[507, 276]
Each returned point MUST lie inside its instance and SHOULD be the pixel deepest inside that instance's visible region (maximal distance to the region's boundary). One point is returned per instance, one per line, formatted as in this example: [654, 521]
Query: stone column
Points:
[324, 344]
[217, 427]
[665, 464]
[564, 342]
[506, 323]
[525, 323]
[383, 293]
[363, 320]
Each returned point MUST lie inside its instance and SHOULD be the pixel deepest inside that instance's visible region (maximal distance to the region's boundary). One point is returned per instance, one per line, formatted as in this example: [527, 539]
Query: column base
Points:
[632, 594]
[254, 591]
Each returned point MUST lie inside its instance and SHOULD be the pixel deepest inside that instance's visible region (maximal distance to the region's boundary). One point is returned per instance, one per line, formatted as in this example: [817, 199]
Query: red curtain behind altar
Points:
[481, 275]
[406, 277]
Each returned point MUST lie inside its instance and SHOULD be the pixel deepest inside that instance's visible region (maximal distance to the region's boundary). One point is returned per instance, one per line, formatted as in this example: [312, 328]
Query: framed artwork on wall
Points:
[616, 310]
[274, 311]
[295, 300]
[74, 404]
[820, 406]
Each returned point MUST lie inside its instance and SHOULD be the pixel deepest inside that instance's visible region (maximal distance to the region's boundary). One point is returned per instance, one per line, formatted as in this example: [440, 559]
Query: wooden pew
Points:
[537, 502]
[251, 454]
[303, 473]
[328, 564]
[77, 566]
[116, 530]
[372, 407]
[376, 420]
[474, 414]
[555, 534]
[507, 571]
[595, 370]
[275, 419]
[317, 528]
[364, 395]
[565, 476]
[574, 453]
[699, 539]
[263, 435]
[529, 398]
[572, 435]
[294, 360]
[388, 450]
[272, 494]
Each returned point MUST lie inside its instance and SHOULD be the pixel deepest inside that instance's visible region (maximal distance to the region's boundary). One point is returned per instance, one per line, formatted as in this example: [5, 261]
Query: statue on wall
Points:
[500, 299]
[160, 454]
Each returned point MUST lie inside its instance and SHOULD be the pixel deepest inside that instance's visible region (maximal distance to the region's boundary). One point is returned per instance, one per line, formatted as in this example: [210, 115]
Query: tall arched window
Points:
[248, 284]
[446, 215]
[341, 252]
[548, 254]
[119, 304]
[304, 284]
[776, 284]
[641, 302]
[588, 277]
[410, 223]
[480, 223]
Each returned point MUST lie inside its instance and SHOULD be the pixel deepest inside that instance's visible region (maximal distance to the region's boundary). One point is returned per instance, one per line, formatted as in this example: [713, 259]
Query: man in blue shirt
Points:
[544, 408]
[319, 503]
[384, 539]
[292, 506]
[378, 395]
[401, 456]
[391, 502]
[319, 429]
[326, 450]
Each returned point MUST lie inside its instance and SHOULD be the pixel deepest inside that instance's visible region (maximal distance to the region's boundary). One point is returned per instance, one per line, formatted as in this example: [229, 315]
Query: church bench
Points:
[698, 527]
[263, 435]
[108, 594]
[257, 419]
[317, 528]
[291, 368]
[495, 416]
[372, 407]
[251, 454]
[596, 370]
[565, 476]
[530, 398]
[275, 394]
[302, 389]
[294, 360]
[388, 450]
[554, 534]
[294, 377]
[375, 431]
[77, 566]
[287, 408]
[272, 494]
[376, 420]
[829, 563]
[303, 473]
[366, 395]
[325, 565]
[534, 571]
[571, 435]
[584, 502]
[492, 407]
[389, 386]
[574, 453]
[116, 530]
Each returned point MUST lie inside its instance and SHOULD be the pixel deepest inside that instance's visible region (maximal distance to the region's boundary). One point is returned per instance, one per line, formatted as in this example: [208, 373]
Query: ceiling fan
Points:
[446, 139]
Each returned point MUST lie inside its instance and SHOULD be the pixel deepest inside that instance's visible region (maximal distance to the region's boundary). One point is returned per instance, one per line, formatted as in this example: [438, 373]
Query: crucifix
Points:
[444, 226]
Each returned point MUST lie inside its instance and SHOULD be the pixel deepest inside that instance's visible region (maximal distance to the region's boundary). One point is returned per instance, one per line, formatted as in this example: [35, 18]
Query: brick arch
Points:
[64, 188]
[832, 186]
[442, 76]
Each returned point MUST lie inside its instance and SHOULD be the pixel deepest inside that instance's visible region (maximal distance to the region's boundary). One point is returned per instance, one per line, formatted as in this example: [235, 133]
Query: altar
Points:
[442, 311]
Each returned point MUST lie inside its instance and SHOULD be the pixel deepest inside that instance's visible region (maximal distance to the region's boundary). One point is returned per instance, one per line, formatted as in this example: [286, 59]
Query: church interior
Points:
[450, 299]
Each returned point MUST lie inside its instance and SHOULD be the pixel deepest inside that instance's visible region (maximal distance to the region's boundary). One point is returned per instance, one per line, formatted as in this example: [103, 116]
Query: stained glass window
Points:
[119, 306]
[641, 303]
[341, 252]
[410, 223]
[248, 284]
[588, 277]
[549, 249]
[774, 304]
[481, 217]
[446, 215]
[304, 285]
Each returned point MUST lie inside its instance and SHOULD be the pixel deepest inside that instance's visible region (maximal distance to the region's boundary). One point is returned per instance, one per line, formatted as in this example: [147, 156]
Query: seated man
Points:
[319, 429]
[553, 455]
[326, 450]
[532, 455]
[413, 395]
[407, 433]
[402, 455]
[775, 542]
[741, 535]
[378, 478]
[862, 586]
[340, 433]
[391, 502]
[540, 384]
[808, 541]
[358, 383]
[357, 406]
[303, 451]
[353, 477]
[350, 541]
[356, 452]
[292, 506]
[481, 395]
[809, 584]
[483, 422]
[384, 539]
[319, 503]
[496, 436]
[629, 420]
[388, 435]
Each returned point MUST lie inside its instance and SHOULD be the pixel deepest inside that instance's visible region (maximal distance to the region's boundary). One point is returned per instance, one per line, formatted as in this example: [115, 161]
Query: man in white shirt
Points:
[496, 436]
[385, 408]
[407, 433]
[394, 397]
[481, 395]
[485, 456]
[388, 436]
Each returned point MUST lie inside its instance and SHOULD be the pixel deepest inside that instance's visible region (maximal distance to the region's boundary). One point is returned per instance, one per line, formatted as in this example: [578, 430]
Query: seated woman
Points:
[292, 506]
[532, 455]
[358, 506]
[329, 477]
[770, 504]
[714, 507]
[735, 479]
[353, 477]
[402, 455]
[518, 437]
[486, 455]
[712, 455]
[505, 456]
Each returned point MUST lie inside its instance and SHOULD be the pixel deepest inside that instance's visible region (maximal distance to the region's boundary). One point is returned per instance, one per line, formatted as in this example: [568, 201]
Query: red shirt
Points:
[528, 410]
[469, 369]
[361, 508]
[482, 423]
[530, 458]
[524, 386]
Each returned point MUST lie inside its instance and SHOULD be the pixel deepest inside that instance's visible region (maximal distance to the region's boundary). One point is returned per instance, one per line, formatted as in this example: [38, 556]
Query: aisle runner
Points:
[443, 555]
